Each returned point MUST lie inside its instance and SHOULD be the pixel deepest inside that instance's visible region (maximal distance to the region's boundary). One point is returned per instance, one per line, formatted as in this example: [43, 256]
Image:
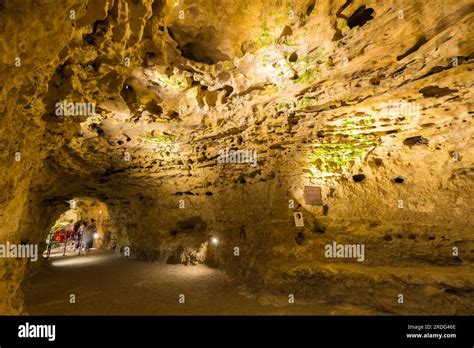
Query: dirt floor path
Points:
[104, 284]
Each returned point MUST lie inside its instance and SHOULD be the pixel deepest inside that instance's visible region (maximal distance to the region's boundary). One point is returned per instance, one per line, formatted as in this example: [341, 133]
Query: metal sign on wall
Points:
[312, 195]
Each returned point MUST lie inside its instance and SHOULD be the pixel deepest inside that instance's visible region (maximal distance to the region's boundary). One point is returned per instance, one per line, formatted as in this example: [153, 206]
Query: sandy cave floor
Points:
[105, 284]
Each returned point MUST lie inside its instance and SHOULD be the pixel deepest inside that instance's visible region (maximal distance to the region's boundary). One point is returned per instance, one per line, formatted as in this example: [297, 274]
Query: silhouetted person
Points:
[88, 236]
[76, 228]
[80, 232]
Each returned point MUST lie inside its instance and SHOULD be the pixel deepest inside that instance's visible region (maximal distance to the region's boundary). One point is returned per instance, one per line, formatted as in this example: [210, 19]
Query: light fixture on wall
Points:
[214, 241]
[96, 235]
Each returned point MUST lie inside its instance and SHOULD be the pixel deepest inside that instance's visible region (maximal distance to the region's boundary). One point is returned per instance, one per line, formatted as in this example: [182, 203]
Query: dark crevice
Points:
[420, 42]
[171, 33]
[310, 7]
[416, 140]
[189, 51]
[399, 180]
[358, 177]
[338, 33]
[435, 91]
[361, 16]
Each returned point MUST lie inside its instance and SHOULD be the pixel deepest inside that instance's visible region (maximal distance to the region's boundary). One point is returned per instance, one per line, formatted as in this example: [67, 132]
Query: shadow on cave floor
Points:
[105, 284]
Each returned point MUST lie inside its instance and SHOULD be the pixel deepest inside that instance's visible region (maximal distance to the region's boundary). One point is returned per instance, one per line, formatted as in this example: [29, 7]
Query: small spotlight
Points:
[214, 241]
[96, 235]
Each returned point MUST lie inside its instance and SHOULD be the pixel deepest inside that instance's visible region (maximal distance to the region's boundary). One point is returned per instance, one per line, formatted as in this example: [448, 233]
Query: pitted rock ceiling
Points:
[370, 100]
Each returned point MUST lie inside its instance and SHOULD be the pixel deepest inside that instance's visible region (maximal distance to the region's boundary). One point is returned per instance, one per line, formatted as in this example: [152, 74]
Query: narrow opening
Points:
[361, 16]
[79, 230]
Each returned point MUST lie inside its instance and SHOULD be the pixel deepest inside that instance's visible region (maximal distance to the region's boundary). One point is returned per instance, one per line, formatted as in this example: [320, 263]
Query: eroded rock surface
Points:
[316, 92]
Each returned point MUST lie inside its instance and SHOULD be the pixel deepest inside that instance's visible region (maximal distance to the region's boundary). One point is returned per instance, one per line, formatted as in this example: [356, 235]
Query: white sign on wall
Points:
[298, 219]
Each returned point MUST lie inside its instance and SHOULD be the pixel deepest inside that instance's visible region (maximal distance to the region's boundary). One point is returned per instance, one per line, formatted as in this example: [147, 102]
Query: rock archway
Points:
[204, 119]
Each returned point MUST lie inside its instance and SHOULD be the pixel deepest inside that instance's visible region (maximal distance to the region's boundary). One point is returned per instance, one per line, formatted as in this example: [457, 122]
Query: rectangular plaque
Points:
[299, 222]
[312, 195]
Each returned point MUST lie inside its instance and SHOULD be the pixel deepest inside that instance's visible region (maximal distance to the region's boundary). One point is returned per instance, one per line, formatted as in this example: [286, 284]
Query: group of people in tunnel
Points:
[78, 235]
[83, 235]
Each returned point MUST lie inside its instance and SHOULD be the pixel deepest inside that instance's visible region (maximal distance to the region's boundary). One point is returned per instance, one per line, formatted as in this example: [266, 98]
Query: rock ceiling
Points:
[174, 83]
[371, 100]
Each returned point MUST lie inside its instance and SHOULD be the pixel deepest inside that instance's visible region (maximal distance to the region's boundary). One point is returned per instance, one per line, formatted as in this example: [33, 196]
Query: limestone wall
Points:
[322, 91]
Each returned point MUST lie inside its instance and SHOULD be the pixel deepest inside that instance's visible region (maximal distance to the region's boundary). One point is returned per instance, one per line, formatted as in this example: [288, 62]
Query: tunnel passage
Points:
[319, 149]
[85, 225]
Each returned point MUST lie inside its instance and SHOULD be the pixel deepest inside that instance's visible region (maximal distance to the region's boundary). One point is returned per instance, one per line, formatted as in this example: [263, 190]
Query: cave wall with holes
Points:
[370, 101]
